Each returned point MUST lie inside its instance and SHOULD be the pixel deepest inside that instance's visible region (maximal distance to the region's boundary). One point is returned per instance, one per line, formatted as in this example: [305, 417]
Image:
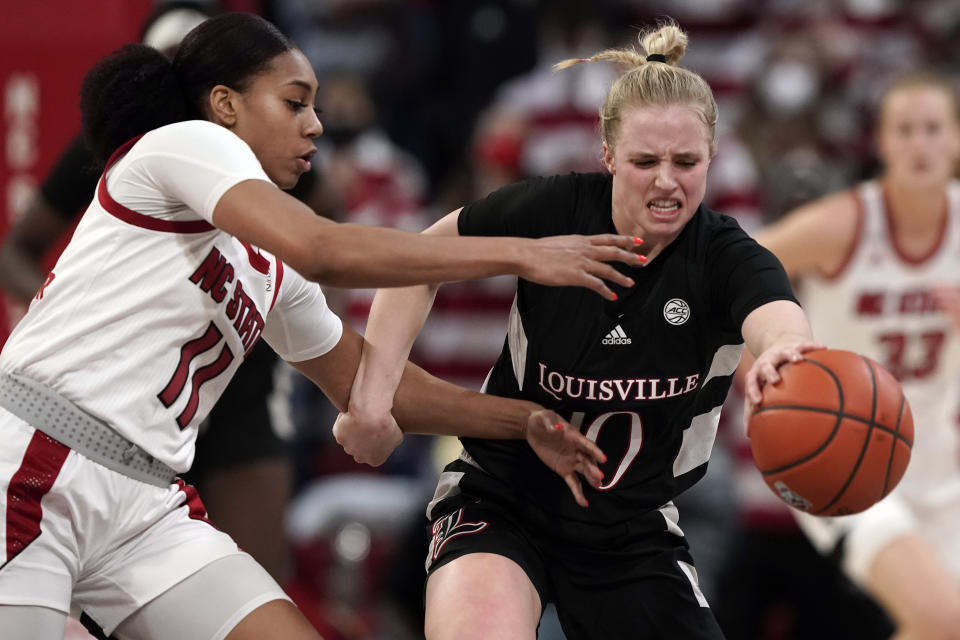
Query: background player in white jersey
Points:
[186, 256]
[879, 269]
[645, 375]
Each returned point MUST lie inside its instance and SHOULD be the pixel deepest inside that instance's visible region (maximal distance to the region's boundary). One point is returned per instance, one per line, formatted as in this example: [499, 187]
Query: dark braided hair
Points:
[136, 89]
[128, 93]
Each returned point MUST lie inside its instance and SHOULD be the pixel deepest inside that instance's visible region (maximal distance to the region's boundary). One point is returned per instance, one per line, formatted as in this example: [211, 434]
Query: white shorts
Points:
[76, 533]
[866, 534]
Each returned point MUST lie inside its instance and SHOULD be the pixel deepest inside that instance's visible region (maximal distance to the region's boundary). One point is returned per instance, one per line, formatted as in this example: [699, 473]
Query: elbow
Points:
[327, 268]
[321, 260]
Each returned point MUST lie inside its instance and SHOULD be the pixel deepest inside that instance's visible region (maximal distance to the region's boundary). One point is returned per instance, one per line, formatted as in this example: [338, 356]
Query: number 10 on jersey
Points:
[592, 432]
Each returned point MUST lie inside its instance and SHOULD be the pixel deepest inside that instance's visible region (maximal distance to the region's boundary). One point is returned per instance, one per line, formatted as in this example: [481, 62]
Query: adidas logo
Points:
[617, 336]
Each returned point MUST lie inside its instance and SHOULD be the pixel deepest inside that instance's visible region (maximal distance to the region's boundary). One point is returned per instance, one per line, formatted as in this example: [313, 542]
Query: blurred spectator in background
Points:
[367, 177]
[543, 122]
[430, 66]
[781, 129]
[879, 272]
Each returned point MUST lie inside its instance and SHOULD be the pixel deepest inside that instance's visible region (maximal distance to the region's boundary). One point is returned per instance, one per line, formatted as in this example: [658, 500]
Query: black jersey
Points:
[644, 376]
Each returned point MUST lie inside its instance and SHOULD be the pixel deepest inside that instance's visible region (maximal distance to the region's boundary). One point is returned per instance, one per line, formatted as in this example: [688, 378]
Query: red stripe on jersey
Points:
[121, 151]
[276, 289]
[892, 232]
[857, 237]
[41, 464]
[130, 216]
[257, 261]
[197, 510]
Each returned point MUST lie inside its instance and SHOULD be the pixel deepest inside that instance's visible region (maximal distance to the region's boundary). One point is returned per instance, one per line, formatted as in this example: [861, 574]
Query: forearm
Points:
[21, 256]
[20, 274]
[779, 322]
[395, 319]
[353, 255]
[358, 256]
[425, 404]
[776, 333]
[776, 336]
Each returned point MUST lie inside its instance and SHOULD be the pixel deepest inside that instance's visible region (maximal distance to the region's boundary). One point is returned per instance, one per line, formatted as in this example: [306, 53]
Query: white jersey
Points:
[880, 304]
[150, 309]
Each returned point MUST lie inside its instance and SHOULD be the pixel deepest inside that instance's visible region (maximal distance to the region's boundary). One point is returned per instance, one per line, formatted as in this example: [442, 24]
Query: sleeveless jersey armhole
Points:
[855, 242]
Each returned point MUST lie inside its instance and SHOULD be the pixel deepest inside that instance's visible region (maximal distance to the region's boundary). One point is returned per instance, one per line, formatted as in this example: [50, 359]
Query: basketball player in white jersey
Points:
[878, 269]
[185, 258]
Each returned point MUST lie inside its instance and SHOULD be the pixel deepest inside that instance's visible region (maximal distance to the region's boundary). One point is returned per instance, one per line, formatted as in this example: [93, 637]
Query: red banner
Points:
[45, 49]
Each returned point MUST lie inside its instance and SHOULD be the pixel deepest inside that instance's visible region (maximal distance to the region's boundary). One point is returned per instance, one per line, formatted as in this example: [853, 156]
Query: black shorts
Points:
[239, 429]
[632, 581]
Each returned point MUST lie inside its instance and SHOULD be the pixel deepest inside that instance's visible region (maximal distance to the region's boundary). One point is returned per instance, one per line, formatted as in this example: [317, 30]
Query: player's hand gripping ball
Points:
[834, 435]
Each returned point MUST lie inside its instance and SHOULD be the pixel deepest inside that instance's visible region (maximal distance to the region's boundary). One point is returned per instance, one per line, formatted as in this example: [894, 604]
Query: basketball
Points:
[834, 435]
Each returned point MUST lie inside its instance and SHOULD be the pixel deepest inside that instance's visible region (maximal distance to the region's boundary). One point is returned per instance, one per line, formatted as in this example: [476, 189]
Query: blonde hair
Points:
[652, 82]
[921, 80]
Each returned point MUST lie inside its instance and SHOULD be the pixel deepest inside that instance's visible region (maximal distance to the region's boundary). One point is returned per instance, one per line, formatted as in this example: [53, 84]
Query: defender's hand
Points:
[370, 440]
[582, 261]
[565, 450]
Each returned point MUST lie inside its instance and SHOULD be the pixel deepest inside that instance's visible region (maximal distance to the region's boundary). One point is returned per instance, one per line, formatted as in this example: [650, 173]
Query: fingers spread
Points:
[574, 483]
[590, 450]
[591, 473]
[609, 254]
[770, 374]
[598, 285]
[605, 271]
[752, 388]
[624, 242]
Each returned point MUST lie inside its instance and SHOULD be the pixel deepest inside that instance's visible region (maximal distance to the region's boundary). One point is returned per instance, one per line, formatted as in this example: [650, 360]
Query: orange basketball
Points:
[834, 435]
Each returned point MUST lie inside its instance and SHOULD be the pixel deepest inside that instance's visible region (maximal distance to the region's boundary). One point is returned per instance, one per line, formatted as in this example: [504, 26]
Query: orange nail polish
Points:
[615, 297]
[642, 259]
[637, 240]
[558, 426]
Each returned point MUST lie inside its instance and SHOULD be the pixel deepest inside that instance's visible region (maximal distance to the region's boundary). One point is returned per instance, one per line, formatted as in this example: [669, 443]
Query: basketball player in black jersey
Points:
[643, 375]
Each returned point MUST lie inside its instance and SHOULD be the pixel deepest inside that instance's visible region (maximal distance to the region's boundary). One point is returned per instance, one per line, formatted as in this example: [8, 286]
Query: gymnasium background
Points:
[430, 103]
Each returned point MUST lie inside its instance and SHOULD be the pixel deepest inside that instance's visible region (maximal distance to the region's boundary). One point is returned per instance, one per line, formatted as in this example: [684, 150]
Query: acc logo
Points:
[676, 311]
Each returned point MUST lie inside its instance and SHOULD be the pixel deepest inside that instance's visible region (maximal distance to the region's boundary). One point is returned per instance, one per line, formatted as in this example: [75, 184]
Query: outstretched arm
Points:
[814, 238]
[425, 404]
[367, 430]
[775, 333]
[352, 255]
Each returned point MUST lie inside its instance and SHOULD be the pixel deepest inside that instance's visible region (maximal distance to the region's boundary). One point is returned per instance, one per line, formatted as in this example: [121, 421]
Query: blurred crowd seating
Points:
[430, 104]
